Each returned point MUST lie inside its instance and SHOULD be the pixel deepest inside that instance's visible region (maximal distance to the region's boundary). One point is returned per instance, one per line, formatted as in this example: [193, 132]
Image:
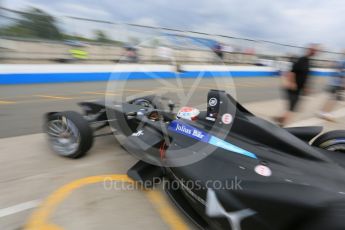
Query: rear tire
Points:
[69, 134]
[332, 141]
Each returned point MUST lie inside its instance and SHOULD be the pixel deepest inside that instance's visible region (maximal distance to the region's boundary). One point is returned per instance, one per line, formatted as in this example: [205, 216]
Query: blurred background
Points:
[33, 35]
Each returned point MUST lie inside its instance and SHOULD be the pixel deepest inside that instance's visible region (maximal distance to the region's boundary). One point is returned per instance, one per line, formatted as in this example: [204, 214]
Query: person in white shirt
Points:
[335, 87]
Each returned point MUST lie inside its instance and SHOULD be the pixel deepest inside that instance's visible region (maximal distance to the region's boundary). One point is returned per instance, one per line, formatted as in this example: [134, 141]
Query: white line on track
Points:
[19, 208]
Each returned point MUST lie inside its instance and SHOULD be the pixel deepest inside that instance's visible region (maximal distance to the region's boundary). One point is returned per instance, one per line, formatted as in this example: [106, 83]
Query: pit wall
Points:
[62, 73]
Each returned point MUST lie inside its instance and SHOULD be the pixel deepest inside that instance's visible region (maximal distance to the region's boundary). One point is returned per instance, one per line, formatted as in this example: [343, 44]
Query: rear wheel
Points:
[69, 134]
[332, 141]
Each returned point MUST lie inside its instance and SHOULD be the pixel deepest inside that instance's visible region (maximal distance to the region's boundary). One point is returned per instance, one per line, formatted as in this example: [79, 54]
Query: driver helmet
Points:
[188, 113]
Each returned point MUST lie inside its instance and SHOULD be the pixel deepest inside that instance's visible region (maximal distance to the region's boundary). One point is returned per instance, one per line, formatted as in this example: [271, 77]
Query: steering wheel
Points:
[154, 118]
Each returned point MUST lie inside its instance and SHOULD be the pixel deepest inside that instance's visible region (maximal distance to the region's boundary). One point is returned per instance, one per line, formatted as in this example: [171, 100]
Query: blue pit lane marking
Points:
[197, 134]
[35, 78]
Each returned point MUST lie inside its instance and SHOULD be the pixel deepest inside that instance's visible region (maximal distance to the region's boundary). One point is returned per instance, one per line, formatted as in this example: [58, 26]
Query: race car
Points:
[224, 167]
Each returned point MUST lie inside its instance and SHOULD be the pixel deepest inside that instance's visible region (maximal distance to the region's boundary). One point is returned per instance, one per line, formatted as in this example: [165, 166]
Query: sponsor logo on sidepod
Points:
[189, 131]
[202, 136]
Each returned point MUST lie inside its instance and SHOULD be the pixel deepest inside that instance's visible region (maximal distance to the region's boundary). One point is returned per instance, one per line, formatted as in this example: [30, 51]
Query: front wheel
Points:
[69, 134]
[332, 141]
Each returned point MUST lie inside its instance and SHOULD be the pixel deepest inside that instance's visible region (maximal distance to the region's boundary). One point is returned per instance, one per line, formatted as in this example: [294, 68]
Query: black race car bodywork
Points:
[252, 176]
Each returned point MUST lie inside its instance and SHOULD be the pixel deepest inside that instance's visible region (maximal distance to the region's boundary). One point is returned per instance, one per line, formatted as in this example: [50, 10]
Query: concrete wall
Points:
[43, 51]
[31, 51]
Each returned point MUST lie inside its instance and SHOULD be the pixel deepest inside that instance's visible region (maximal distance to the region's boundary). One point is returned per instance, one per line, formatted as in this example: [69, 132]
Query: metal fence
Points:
[29, 36]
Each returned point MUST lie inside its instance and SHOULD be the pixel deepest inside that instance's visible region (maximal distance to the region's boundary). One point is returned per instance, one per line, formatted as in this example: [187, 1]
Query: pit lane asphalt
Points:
[22, 106]
[69, 195]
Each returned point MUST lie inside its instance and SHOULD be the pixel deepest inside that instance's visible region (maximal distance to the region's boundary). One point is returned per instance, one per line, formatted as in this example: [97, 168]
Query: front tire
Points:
[332, 141]
[69, 134]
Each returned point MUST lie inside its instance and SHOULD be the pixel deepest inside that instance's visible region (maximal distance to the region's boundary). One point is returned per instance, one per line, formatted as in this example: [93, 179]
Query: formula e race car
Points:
[224, 167]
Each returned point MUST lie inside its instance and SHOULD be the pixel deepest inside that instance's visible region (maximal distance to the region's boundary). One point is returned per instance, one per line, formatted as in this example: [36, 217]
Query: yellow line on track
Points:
[100, 93]
[166, 211]
[6, 102]
[12, 100]
[116, 94]
[39, 220]
[54, 97]
[170, 88]
[137, 90]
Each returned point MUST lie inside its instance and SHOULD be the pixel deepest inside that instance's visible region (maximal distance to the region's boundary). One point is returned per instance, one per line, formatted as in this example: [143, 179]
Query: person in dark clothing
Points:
[295, 82]
[218, 50]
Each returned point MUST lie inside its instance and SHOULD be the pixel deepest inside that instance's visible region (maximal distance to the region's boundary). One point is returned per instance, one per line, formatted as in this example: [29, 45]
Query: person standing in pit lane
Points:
[335, 88]
[295, 82]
